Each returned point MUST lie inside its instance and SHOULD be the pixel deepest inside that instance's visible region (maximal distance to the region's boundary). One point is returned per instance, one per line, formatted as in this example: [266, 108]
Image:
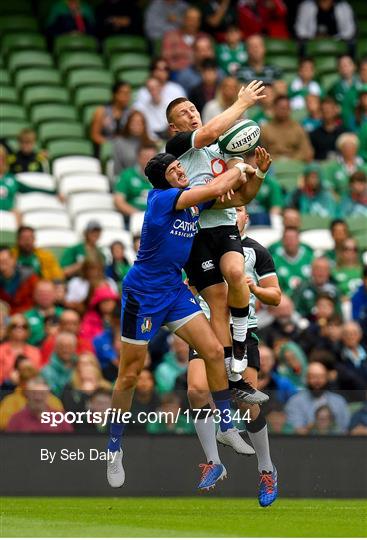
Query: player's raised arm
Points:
[247, 97]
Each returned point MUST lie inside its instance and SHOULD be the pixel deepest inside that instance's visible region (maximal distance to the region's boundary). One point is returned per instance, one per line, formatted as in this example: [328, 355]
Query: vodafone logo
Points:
[218, 166]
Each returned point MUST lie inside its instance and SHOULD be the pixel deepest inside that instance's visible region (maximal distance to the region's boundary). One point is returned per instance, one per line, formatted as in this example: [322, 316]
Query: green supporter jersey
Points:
[305, 296]
[134, 186]
[269, 195]
[9, 187]
[229, 59]
[337, 175]
[36, 320]
[31, 261]
[291, 271]
[78, 253]
[347, 279]
[346, 96]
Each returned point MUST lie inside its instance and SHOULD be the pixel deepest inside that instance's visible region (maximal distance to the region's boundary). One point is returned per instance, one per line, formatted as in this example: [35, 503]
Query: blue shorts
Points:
[143, 313]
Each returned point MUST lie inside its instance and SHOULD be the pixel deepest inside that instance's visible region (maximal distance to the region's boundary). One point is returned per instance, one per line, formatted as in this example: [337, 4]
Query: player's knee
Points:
[127, 381]
[235, 276]
[197, 395]
[215, 353]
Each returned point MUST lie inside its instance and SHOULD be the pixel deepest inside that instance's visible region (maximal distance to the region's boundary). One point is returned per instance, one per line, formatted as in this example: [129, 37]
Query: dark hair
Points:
[305, 59]
[156, 61]
[358, 176]
[343, 55]
[328, 99]
[281, 98]
[172, 105]
[116, 87]
[147, 147]
[208, 63]
[338, 222]
[6, 248]
[19, 359]
[23, 228]
[125, 132]
[364, 271]
[295, 229]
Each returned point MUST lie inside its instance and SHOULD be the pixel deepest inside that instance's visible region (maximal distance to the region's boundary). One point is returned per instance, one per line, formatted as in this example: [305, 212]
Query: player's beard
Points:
[317, 392]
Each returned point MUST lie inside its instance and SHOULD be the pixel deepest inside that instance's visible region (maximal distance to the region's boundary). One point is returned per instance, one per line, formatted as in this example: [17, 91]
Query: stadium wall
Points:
[168, 466]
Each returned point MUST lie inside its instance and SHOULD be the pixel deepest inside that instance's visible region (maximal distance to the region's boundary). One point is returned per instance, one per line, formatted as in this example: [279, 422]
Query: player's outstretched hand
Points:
[253, 93]
[263, 159]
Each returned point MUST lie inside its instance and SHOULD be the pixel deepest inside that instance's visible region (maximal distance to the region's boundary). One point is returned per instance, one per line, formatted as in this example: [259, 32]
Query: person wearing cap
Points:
[73, 257]
[154, 295]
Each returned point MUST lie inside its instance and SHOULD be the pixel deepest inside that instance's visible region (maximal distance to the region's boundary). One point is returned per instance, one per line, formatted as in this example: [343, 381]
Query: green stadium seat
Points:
[89, 77]
[361, 239]
[66, 147]
[124, 44]
[280, 47]
[91, 96]
[45, 94]
[33, 77]
[80, 60]
[8, 94]
[50, 131]
[299, 114]
[10, 111]
[319, 47]
[362, 28]
[129, 61]
[361, 48]
[4, 78]
[16, 7]
[17, 23]
[29, 59]
[87, 115]
[309, 222]
[9, 129]
[77, 42]
[46, 113]
[285, 63]
[287, 172]
[360, 8]
[357, 224]
[105, 152]
[289, 77]
[326, 64]
[22, 41]
[328, 80]
[135, 77]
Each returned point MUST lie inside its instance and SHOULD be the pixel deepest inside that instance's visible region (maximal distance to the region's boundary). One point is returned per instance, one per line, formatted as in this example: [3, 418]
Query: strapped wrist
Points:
[260, 174]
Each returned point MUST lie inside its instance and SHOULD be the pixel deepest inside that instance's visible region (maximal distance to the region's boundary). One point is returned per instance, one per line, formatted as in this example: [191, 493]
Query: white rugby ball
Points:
[240, 138]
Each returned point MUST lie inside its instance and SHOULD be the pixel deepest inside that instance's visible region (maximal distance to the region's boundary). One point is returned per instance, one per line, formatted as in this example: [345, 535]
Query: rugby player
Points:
[263, 283]
[153, 295]
[217, 258]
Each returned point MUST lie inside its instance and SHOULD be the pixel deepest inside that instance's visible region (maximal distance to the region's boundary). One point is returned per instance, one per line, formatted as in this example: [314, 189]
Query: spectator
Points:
[324, 423]
[177, 44]
[170, 90]
[232, 54]
[191, 77]
[99, 312]
[279, 388]
[69, 322]
[304, 85]
[107, 346]
[109, 120]
[256, 67]
[323, 138]
[313, 198]
[133, 136]
[359, 304]
[218, 16]
[344, 91]
[15, 344]
[9, 185]
[360, 115]
[313, 114]
[355, 202]
[28, 420]
[324, 333]
[173, 365]
[98, 402]
[225, 97]
[301, 408]
[132, 188]
[264, 111]
[340, 232]
[41, 261]
[347, 273]
[145, 398]
[325, 18]
[16, 401]
[154, 110]
[291, 360]
[4, 318]
[263, 17]
[283, 321]
[292, 260]
[16, 282]
[354, 355]
[347, 162]
[320, 282]
[162, 16]
[276, 420]
[204, 92]
[116, 17]
[70, 16]
[73, 257]
[120, 265]
[358, 422]
[59, 370]
[171, 421]
[44, 306]
[27, 158]
[284, 137]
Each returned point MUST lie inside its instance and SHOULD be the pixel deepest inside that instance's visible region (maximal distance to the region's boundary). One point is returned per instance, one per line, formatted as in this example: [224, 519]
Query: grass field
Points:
[194, 517]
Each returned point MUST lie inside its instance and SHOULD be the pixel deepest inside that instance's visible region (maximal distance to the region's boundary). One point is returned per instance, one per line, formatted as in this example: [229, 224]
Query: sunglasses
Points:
[22, 326]
[350, 248]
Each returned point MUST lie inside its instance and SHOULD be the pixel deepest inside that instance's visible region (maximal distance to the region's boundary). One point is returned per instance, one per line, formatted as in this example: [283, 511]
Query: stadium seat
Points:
[328, 80]
[324, 46]
[357, 224]
[288, 171]
[16, 7]
[75, 164]
[22, 41]
[129, 61]
[60, 130]
[8, 94]
[17, 23]
[264, 235]
[284, 63]
[310, 222]
[65, 147]
[109, 219]
[37, 181]
[361, 48]
[136, 223]
[8, 228]
[112, 235]
[318, 239]
[84, 202]
[44, 94]
[33, 202]
[9, 129]
[92, 96]
[106, 151]
[4, 78]
[83, 182]
[29, 59]
[361, 238]
[362, 28]
[89, 78]
[87, 115]
[56, 238]
[325, 64]
[42, 219]
[74, 42]
[46, 113]
[135, 77]
[10, 111]
[280, 47]
[124, 44]
[80, 60]
[37, 76]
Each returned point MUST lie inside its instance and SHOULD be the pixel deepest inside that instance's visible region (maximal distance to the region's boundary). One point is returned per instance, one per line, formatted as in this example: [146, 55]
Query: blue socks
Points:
[221, 399]
[116, 431]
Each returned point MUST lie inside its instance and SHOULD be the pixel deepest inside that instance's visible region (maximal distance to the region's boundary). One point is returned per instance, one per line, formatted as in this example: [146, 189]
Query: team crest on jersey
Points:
[194, 211]
[147, 325]
[218, 166]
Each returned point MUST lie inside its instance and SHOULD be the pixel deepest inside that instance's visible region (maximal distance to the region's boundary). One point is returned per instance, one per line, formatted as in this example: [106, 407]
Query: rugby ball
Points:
[240, 138]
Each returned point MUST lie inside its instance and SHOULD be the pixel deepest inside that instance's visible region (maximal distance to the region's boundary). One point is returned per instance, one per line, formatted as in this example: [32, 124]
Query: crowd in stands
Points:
[59, 311]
